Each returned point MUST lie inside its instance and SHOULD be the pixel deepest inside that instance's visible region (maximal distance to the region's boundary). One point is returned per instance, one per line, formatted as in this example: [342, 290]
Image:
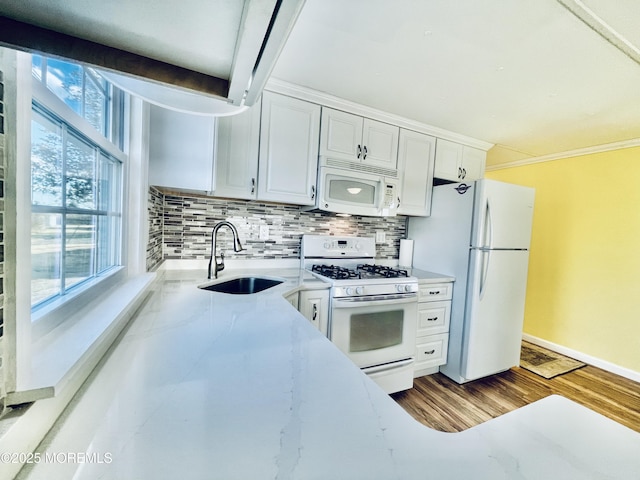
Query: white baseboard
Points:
[583, 357]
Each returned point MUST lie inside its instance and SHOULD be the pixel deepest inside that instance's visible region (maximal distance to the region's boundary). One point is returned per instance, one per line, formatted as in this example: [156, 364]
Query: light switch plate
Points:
[264, 232]
[380, 236]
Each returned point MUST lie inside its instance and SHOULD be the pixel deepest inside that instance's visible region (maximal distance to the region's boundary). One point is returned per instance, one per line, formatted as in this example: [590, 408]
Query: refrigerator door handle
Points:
[484, 270]
[488, 227]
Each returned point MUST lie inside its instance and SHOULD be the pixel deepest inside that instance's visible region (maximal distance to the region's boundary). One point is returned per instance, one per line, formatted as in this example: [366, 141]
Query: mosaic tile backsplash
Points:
[156, 213]
[188, 221]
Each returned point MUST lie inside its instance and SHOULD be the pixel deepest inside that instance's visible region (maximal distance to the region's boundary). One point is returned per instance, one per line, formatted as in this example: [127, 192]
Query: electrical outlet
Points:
[264, 232]
[381, 236]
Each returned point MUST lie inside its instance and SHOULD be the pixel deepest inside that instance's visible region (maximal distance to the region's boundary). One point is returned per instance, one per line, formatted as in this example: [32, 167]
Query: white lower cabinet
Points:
[432, 332]
[314, 305]
[431, 352]
[293, 299]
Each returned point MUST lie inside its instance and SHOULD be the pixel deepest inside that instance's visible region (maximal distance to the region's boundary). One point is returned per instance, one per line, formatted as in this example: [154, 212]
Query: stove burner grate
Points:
[335, 272]
[382, 271]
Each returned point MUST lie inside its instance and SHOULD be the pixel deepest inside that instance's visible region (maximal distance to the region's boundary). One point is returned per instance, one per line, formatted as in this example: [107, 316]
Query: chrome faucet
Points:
[237, 247]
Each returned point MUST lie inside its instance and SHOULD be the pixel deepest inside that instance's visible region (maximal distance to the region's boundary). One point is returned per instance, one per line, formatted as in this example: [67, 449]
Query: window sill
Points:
[71, 351]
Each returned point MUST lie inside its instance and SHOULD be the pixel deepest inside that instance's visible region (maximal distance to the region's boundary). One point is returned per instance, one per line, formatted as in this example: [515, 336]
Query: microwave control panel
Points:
[389, 195]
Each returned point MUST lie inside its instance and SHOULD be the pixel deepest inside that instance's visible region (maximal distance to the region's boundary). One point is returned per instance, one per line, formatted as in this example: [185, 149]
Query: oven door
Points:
[374, 332]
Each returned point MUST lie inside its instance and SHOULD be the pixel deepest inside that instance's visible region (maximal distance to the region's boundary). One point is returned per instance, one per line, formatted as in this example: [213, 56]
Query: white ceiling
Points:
[200, 33]
[222, 48]
[527, 75]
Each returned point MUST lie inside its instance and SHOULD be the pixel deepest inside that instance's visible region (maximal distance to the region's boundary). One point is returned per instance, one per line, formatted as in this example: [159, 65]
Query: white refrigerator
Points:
[480, 234]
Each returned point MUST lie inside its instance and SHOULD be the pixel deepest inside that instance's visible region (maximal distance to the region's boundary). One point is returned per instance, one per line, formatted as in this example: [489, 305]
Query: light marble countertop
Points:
[212, 386]
[425, 276]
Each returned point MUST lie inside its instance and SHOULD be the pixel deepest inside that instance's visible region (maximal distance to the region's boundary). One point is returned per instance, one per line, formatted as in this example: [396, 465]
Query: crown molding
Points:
[607, 147]
[327, 100]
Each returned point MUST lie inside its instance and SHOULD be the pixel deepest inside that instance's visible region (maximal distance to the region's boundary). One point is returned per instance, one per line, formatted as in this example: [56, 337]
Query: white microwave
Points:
[356, 193]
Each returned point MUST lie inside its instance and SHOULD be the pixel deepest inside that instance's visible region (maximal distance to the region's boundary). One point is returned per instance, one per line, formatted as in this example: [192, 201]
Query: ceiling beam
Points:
[285, 16]
[254, 27]
[26, 37]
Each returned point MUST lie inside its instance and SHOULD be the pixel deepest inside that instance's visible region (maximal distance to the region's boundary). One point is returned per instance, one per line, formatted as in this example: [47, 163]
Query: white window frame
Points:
[32, 342]
[56, 311]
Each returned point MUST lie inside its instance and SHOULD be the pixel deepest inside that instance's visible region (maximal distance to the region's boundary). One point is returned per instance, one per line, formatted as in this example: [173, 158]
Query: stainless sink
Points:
[243, 285]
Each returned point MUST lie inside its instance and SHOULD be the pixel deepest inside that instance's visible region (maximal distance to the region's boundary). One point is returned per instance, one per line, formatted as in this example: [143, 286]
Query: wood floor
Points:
[442, 404]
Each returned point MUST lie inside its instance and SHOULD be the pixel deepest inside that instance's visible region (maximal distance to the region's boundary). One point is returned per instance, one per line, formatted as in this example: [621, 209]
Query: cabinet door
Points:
[293, 299]
[379, 144]
[236, 162]
[448, 160]
[416, 153]
[180, 150]
[341, 135]
[314, 305]
[433, 317]
[431, 351]
[473, 163]
[289, 134]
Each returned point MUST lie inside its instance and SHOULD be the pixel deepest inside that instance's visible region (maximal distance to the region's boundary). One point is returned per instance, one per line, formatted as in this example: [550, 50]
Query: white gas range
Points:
[373, 308]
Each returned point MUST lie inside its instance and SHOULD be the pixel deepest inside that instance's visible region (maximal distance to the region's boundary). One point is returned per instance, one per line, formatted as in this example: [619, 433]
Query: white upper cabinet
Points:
[180, 149]
[416, 154]
[458, 163]
[269, 152]
[341, 134]
[288, 164]
[236, 161]
[353, 138]
[473, 163]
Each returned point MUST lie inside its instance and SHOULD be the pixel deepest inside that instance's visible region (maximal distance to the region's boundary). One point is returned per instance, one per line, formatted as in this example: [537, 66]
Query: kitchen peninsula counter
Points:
[217, 386]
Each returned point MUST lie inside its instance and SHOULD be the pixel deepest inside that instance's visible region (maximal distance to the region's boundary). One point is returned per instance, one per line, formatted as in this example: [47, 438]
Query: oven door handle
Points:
[387, 366]
[351, 303]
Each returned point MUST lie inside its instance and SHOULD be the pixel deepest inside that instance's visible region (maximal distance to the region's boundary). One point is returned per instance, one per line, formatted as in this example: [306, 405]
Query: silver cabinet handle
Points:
[436, 292]
[253, 186]
[364, 157]
[430, 352]
[464, 173]
[314, 315]
[313, 192]
[359, 151]
[432, 319]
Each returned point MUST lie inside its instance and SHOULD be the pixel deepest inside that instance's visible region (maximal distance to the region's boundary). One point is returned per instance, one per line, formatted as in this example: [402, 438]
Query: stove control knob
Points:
[327, 245]
[400, 288]
[348, 291]
[407, 288]
[359, 290]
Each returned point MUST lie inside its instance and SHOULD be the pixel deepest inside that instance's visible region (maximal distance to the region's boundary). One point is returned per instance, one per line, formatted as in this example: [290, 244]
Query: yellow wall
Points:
[583, 288]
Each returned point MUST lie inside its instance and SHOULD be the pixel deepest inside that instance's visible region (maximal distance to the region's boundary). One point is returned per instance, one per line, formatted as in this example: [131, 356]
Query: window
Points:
[75, 182]
[82, 89]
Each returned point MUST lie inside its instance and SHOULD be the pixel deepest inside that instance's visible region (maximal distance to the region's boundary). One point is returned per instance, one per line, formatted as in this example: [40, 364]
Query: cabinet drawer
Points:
[431, 351]
[433, 317]
[435, 292]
